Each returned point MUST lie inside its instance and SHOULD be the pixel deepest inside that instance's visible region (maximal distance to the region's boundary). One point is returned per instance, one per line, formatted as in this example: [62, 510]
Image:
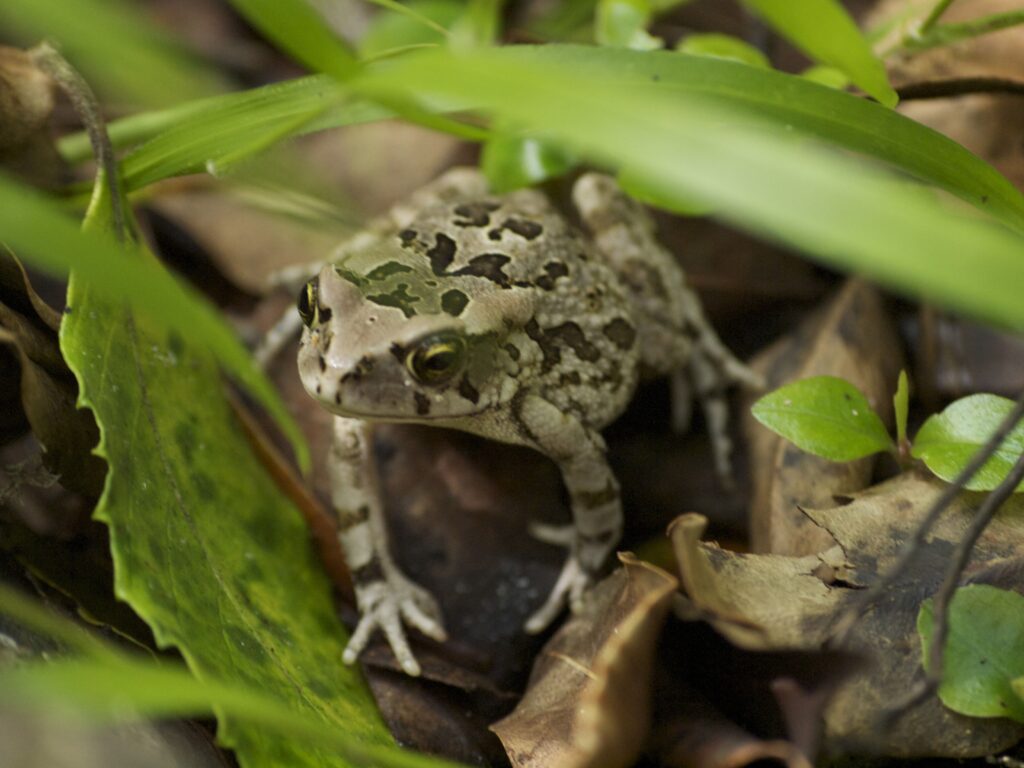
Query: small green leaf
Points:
[830, 77]
[948, 34]
[509, 161]
[984, 651]
[623, 24]
[478, 25]
[723, 47]
[947, 441]
[824, 30]
[901, 405]
[826, 416]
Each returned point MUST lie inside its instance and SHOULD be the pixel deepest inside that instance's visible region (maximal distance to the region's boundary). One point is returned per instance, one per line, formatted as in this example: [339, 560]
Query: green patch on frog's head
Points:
[361, 356]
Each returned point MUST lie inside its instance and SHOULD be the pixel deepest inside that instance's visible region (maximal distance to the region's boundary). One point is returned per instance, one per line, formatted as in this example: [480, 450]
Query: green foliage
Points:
[415, 23]
[723, 47]
[983, 654]
[947, 441]
[478, 25]
[901, 407]
[207, 550]
[623, 24]
[510, 161]
[824, 31]
[84, 29]
[752, 173]
[38, 231]
[299, 30]
[826, 416]
[102, 684]
[830, 77]
[948, 34]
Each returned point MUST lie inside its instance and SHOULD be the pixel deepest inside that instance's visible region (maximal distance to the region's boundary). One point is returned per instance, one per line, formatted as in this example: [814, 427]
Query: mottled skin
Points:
[492, 314]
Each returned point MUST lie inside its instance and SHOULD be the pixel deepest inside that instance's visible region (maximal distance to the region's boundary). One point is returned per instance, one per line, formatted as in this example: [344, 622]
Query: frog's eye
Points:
[436, 358]
[308, 303]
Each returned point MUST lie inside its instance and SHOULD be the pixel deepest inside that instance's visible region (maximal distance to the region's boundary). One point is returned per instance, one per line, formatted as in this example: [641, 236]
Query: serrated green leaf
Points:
[510, 161]
[100, 683]
[42, 235]
[753, 173]
[723, 47]
[207, 549]
[297, 28]
[150, 68]
[824, 31]
[901, 406]
[983, 651]
[826, 416]
[947, 441]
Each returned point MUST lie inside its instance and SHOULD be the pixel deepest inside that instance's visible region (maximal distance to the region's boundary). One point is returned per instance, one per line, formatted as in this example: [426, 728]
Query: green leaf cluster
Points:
[831, 418]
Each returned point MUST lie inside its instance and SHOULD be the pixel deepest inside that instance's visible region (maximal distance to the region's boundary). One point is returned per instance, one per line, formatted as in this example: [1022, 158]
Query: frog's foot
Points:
[578, 573]
[710, 371]
[386, 604]
[572, 583]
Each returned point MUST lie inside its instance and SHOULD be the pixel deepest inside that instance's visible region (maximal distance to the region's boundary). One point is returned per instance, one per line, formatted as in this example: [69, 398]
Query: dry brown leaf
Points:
[589, 697]
[791, 603]
[26, 103]
[853, 338]
[47, 388]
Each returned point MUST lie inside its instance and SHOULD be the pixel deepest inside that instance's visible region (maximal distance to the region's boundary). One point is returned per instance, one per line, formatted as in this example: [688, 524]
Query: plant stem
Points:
[940, 608]
[944, 34]
[848, 619]
[960, 86]
[937, 10]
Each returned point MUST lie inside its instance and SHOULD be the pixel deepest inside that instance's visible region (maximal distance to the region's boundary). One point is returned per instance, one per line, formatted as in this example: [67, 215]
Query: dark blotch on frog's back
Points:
[454, 301]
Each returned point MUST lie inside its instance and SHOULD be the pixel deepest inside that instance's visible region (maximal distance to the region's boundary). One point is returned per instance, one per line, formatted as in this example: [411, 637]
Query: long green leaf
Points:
[299, 30]
[795, 103]
[143, 65]
[824, 30]
[947, 34]
[830, 206]
[40, 234]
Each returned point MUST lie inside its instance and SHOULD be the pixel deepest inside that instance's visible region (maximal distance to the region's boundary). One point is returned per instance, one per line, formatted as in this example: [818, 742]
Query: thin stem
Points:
[937, 10]
[50, 60]
[848, 619]
[961, 86]
[946, 34]
[940, 606]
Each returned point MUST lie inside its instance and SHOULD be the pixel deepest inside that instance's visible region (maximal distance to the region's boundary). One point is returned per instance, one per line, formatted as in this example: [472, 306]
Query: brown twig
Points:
[846, 621]
[940, 607]
[959, 86]
[87, 106]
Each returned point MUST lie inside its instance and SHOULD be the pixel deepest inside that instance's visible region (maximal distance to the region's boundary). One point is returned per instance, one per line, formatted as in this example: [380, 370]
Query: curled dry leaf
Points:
[852, 337]
[26, 103]
[589, 697]
[28, 326]
[771, 602]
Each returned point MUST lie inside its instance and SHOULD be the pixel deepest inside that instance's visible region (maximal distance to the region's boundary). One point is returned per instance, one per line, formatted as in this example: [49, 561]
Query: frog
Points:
[502, 316]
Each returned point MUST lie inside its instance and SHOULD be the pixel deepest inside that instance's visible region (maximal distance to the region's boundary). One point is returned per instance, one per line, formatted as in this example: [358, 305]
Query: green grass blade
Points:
[824, 31]
[41, 235]
[754, 174]
[296, 28]
[148, 68]
[947, 34]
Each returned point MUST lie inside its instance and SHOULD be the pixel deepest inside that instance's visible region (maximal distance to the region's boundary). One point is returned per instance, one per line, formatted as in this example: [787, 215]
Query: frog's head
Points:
[395, 343]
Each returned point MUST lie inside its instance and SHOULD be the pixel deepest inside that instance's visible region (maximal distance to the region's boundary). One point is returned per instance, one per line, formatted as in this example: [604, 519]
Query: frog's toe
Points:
[424, 614]
[556, 535]
[571, 584]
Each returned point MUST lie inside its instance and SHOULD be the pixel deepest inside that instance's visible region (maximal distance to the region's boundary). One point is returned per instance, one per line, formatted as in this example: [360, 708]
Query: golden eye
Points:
[307, 303]
[436, 358]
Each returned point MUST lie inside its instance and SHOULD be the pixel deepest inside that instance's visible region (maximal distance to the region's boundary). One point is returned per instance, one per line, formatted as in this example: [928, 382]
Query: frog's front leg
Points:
[385, 596]
[594, 497]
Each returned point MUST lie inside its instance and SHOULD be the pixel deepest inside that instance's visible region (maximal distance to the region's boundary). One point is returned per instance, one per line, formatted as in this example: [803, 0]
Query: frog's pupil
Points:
[307, 303]
[440, 361]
